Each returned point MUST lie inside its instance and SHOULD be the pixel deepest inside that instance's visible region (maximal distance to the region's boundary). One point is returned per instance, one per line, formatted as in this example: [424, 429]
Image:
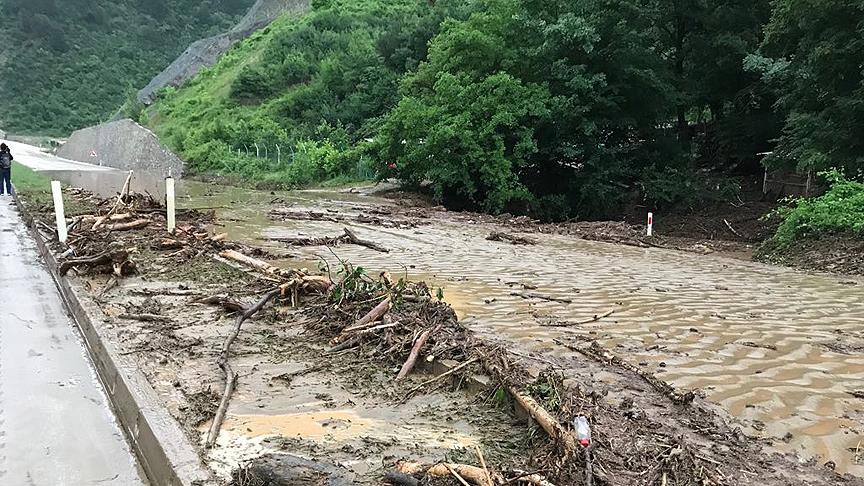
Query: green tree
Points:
[813, 55]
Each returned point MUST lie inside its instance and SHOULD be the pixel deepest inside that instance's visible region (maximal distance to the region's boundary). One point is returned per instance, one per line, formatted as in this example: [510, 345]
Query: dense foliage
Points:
[553, 108]
[315, 87]
[840, 210]
[70, 63]
[813, 56]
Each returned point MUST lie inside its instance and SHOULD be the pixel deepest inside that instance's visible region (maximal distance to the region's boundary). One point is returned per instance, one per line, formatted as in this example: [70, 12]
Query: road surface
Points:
[34, 158]
[56, 427]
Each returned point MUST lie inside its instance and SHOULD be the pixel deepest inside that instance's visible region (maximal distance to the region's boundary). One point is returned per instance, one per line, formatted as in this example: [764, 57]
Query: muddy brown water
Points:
[699, 321]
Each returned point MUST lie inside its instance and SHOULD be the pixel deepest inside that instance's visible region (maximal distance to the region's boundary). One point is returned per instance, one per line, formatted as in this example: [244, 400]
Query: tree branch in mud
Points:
[225, 365]
[512, 239]
[118, 258]
[415, 352]
[440, 377]
[596, 318]
[534, 295]
[596, 352]
[124, 191]
[223, 301]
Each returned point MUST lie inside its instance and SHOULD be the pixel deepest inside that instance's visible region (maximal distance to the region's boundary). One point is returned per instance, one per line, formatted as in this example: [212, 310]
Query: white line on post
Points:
[59, 212]
[169, 203]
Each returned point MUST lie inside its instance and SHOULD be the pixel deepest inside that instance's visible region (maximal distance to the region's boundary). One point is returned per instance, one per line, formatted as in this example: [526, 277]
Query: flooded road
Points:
[779, 349]
[56, 427]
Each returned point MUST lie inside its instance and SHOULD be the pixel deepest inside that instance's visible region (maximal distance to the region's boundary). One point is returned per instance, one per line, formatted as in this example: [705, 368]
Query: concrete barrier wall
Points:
[124, 145]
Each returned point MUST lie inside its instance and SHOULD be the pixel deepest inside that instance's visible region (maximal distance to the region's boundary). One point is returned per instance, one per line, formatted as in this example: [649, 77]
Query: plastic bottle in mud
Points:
[583, 430]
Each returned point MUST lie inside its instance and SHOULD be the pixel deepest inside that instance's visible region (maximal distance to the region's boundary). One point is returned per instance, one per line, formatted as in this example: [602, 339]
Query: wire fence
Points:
[283, 155]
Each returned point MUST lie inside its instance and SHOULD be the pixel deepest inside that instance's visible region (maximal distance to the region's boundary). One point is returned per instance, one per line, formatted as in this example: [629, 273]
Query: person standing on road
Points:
[5, 169]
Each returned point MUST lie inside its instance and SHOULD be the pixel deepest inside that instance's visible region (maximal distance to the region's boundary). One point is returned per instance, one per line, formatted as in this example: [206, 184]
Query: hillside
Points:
[71, 63]
[206, 52]
[555, 109]
[314, 85]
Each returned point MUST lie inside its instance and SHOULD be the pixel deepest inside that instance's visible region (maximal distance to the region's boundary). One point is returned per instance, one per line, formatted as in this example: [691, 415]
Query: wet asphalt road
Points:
[56, 427]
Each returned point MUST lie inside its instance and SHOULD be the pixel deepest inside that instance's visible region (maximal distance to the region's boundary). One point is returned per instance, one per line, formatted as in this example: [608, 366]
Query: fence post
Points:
[59, 212]
[170, 203]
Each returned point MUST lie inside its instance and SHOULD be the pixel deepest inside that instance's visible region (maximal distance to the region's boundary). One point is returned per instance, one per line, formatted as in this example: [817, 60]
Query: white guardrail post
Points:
[170, 204]
[59, 212]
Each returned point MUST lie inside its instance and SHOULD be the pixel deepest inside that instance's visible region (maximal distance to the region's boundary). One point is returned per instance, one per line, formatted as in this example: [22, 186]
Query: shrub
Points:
[840, 210]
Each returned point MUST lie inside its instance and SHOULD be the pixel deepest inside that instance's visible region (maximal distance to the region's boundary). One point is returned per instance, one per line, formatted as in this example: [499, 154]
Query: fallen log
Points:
[94, 261]
[376, 313]
[456, 474]
[415, 352]
[356, 336]
[352, 238]
[137, 224]
[546, 421]
[471, 473]
[256, 264]
[225, 365]
[512, 239]
[118, 258]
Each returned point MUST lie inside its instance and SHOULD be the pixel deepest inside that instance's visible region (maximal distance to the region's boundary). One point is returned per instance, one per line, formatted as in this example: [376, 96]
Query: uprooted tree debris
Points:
[347, 237]
[402, 325]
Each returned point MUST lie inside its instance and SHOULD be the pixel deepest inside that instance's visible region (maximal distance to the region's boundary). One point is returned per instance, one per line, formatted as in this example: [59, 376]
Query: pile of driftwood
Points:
[348, 236]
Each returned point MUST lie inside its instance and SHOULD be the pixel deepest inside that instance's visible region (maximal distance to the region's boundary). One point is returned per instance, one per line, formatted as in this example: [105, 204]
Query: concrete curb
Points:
[163, 450]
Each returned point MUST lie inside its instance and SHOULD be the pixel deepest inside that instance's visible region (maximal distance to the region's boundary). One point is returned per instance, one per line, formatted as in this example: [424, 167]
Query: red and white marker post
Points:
[650, 224]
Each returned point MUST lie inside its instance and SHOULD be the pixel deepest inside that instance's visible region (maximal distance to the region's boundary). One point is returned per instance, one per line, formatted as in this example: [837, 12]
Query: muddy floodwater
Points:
[778, 349]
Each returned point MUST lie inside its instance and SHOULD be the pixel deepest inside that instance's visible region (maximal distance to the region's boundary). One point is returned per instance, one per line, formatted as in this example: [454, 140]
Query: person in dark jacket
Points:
[5, 169]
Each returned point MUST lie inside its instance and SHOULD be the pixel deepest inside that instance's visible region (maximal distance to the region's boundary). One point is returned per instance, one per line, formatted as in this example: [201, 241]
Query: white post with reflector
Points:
[650, 224]
[59, 212]
[170, 203]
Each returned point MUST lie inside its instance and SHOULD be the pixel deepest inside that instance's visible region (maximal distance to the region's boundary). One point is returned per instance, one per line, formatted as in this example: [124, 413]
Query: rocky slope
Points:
[205, 52]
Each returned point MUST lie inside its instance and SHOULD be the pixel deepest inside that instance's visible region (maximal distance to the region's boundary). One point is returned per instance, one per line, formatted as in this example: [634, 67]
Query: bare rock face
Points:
[122, 144]
[206, 52]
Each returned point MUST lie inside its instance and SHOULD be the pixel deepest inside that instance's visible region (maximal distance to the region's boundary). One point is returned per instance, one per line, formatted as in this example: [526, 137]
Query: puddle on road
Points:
[697, 321]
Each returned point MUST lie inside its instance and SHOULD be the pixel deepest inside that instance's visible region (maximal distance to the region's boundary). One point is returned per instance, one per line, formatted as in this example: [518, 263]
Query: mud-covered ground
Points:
[325, 417]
